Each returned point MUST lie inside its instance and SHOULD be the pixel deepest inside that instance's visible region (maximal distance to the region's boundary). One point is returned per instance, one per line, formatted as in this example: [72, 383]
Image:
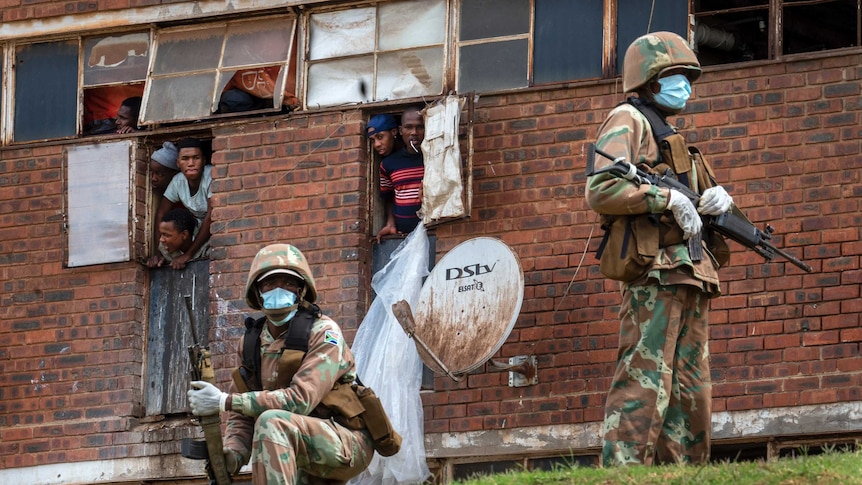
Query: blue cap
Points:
[379, 123]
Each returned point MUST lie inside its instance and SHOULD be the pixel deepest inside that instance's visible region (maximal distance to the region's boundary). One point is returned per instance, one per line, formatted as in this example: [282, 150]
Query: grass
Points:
[829, 468]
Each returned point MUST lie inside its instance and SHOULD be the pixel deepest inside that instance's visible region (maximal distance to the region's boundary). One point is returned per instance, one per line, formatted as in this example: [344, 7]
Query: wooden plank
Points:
[169, 334]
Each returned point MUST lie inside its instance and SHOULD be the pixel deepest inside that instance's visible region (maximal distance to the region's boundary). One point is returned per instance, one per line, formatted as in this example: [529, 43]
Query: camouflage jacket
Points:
[328, 360]
[627, 133]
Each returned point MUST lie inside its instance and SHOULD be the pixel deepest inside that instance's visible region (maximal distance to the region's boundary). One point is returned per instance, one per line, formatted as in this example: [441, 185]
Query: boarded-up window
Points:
[172, 328]
[191, 67]
[46, 90]
[390, 51]
[99, 201]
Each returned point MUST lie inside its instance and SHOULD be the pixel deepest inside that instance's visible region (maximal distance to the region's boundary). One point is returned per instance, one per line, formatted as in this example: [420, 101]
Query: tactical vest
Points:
[631, 243]
[350, 404]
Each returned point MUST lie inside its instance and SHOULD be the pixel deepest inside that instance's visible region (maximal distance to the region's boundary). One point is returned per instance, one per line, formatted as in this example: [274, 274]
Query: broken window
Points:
[742, 30]
[47, 84]
[192, 67]
[115, 67]
[389, 51]
[100, 203]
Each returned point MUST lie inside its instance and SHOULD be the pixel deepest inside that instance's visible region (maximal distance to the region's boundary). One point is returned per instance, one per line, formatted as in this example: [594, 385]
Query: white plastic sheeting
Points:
[387, 361]
[442, 186]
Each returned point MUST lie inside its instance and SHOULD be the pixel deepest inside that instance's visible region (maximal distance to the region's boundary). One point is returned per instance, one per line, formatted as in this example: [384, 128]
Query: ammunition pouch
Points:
[358, 407]
[629, 247]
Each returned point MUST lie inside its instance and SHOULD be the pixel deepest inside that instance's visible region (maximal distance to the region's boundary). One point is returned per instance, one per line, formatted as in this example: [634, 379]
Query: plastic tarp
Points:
[387, 362]
[442, 185]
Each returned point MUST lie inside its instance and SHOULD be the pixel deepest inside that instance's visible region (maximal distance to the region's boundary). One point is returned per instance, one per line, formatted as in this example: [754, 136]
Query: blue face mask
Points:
[277, 299]
[675, 91]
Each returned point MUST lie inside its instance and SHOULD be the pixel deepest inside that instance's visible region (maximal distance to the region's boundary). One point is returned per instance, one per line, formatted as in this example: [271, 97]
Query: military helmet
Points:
[278, 257]
[651, 54]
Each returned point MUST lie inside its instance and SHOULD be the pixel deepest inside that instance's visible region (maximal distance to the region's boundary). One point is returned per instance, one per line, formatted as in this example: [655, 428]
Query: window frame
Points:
[10, 74]
[218, 70]
[306, 63]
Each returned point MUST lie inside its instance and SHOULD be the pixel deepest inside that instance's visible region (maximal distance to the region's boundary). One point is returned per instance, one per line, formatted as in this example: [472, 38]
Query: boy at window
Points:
[127, 115]
[176, 233]
[382, 130]
[401, 177]
[191, 187]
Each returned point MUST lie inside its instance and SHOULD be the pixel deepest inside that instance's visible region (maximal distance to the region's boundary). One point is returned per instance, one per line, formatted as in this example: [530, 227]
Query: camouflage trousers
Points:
[659, 403]
[292, 449]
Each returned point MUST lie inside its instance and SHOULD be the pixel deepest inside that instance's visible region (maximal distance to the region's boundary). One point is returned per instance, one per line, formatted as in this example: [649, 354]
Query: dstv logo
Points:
[468, 271]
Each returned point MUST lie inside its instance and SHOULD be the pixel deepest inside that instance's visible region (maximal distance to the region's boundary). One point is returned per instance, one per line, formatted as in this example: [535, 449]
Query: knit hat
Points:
[166, 155]
[379, 123]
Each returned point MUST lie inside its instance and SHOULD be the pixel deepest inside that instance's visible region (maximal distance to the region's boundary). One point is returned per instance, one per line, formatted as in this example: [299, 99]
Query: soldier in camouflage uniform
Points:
[273, 426]
[659, 404]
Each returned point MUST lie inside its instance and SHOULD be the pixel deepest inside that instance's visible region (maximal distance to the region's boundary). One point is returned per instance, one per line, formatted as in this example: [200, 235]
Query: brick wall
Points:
[783, 137]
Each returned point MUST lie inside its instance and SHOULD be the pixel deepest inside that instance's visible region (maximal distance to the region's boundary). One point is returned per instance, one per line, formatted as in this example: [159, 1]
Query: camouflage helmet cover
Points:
[278, 256]
[651, 54]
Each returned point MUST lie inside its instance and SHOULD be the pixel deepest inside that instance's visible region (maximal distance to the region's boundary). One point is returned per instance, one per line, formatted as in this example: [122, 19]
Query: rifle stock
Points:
[202, 370]
[732, 224]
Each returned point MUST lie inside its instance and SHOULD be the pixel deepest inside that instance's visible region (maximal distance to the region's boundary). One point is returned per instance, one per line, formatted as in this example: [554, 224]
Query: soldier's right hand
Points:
[685, 213]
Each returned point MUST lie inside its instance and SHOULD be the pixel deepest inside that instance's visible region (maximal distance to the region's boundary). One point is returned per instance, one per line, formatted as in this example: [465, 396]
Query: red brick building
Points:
[85, 387]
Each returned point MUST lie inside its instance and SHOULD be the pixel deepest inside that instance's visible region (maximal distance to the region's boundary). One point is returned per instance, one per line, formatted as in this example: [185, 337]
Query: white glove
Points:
[205, 399]
[684, 213]
[714, 201]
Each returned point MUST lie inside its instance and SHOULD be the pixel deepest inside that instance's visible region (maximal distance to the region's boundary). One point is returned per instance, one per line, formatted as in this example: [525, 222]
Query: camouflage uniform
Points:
[273, 426]
[659, 402]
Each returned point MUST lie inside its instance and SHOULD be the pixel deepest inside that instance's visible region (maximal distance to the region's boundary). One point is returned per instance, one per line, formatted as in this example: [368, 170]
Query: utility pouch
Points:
[630, 246]
[344, 406]
[387, 441]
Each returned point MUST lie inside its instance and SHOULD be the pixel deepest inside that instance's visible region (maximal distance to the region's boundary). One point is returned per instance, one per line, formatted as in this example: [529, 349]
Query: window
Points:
[741, 30]
[46, 90]
[389, 51]
[508, 44]
[192, 66]
[115, 68]
[47, 86]
[99, 196]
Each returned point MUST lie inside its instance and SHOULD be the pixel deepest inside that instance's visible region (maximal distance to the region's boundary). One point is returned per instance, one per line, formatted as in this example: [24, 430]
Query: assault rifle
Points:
[732, 224]
[211, 448]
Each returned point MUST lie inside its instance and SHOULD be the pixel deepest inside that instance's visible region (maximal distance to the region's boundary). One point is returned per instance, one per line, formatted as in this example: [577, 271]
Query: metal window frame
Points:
[306, 62]
[218, 70]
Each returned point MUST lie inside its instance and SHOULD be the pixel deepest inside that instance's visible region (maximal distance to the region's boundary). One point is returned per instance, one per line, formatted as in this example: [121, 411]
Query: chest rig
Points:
[631, 243]
[247, 376]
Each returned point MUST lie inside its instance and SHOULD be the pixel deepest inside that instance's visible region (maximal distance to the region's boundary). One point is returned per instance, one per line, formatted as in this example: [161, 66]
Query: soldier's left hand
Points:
[714, 201]
[205, 399]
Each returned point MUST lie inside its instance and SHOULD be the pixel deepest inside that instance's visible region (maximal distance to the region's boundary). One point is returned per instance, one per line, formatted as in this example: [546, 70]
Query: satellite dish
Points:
[468, 305]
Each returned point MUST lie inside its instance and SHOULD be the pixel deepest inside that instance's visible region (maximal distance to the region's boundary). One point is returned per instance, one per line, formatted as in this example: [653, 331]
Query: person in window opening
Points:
[163, 166]
[191, 187]
[401, 174]
[127, 115]
[176, 232]
[283, 413]
[658, 407]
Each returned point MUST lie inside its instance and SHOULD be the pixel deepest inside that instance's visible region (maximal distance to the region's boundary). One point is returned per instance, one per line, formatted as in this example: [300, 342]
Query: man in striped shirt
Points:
[401, 175]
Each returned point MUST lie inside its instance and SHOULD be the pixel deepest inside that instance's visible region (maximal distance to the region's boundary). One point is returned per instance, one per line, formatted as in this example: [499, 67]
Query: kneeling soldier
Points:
[294, 407]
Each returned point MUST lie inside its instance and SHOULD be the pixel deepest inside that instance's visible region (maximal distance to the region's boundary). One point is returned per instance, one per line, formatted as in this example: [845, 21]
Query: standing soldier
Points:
[292, 406]
[659, 403]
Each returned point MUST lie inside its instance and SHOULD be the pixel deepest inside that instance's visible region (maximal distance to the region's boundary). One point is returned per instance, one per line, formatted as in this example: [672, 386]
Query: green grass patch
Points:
[829, 468]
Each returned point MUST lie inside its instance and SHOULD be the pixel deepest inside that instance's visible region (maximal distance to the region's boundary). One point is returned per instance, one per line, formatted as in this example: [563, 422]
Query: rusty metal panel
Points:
[169, 334]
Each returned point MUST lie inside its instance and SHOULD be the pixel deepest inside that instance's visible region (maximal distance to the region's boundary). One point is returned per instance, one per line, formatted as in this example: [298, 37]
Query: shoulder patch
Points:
[331, 337]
